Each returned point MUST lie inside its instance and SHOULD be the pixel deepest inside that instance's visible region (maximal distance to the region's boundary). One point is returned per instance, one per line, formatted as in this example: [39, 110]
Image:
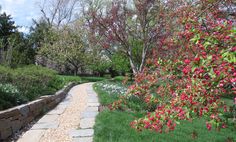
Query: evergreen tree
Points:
[7, 28]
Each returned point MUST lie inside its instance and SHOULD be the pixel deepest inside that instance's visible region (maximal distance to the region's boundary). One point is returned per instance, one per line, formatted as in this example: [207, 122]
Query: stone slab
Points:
[87, 123]
[83, 139]
[24, 110]
[16, 125]
[5, 133]
[81, 133]
[32, 136]
[40, 126]
[89, 114]
[48, 118]
[58, 110]
[9, 113]
[4, 123]
[92, 100]
[93, 104]
[92, 94]
[91, 109]
[67, 101]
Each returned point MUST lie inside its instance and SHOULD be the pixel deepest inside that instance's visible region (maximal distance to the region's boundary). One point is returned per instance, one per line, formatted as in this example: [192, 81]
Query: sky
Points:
[22, 12]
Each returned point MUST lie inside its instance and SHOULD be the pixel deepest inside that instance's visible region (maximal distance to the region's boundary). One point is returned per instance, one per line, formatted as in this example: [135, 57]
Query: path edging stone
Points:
[87, 120]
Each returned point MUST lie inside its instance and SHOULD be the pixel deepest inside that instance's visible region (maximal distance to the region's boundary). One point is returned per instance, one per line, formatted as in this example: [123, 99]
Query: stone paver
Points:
[92, 100]
[91, 109]
[48, 118]
[82, 133]
[87, 123]
[46, 125]
[32, 136]
[58, 110]
[86, 132]
[93, 104]
[83, 139]
[89, 114]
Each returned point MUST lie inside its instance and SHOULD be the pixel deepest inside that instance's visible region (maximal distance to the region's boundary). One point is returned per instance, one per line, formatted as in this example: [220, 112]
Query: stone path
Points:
[71, 121]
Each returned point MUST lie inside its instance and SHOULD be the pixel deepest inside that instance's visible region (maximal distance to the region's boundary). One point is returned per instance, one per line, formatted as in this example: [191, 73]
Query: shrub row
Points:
[25, 84]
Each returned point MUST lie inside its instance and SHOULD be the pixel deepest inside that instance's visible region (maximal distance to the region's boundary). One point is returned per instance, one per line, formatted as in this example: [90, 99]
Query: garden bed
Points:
[115, 125]
[21, 85]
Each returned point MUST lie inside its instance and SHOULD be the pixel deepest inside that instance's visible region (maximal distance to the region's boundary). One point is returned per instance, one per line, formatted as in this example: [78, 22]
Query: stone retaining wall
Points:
[13, 119]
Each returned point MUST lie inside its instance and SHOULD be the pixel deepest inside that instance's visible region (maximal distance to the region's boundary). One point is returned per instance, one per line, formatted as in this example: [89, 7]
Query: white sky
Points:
[22, 12]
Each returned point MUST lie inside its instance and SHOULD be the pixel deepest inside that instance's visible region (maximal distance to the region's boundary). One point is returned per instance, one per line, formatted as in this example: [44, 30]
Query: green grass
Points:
[104, 97]
[92, 79]
[113, 126]
[119, 78]
[66, 79]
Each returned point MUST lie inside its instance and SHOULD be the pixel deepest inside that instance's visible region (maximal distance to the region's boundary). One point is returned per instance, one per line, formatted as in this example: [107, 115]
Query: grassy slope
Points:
[114, 127]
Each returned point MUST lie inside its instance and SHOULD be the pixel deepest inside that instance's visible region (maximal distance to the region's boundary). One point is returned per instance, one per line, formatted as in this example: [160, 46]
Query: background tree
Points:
[66, 48]
[7, 28]
[23, 52]
[58, 12]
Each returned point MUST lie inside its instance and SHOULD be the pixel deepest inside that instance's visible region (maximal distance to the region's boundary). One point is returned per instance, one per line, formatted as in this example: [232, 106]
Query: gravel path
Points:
[59, 124]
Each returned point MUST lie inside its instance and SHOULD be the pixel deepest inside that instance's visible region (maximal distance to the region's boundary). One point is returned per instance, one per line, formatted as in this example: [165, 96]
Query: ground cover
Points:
[114, 126]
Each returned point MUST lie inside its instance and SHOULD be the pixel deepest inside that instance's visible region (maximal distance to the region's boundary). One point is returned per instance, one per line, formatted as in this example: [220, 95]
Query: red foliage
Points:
[195, 79]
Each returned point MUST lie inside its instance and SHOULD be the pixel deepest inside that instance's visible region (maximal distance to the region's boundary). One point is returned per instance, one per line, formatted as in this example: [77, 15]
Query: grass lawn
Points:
[113, 126]
[79, 79]
[66, 79]
[92, 78]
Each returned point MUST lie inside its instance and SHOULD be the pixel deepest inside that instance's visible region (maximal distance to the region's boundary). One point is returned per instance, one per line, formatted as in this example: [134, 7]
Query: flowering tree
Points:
[66, 48]
[195, 80]
[133, 27]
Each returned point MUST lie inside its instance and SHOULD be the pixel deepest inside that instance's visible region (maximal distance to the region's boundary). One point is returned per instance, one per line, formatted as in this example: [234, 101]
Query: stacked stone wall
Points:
[14, 119]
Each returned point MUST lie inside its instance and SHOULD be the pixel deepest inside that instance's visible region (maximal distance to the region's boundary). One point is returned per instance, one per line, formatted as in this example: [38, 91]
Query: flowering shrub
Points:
[8, 88]
[9, 96]
[194, 82]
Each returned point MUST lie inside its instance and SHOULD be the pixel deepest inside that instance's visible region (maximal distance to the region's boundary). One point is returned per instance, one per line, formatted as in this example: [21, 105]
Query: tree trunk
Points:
[76, 71]
[133, 67]
[1, 56]
[144, 53]
[112, 72]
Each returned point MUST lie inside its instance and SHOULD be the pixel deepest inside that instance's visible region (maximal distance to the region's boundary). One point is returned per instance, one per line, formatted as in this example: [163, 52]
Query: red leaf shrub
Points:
[194, 81]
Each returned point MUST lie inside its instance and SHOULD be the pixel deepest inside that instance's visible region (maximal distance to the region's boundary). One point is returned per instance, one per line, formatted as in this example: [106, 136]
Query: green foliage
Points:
[92, 79]
[119, 78]
[100, 64]
[15, 48]
[7, 28]
[32, 81]
[7, 25]
[40, 33]
[22, 51]
[104, 97]
[120, 63]
[9, 96]
[27, 83]
[65, 79]
[65, 48]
